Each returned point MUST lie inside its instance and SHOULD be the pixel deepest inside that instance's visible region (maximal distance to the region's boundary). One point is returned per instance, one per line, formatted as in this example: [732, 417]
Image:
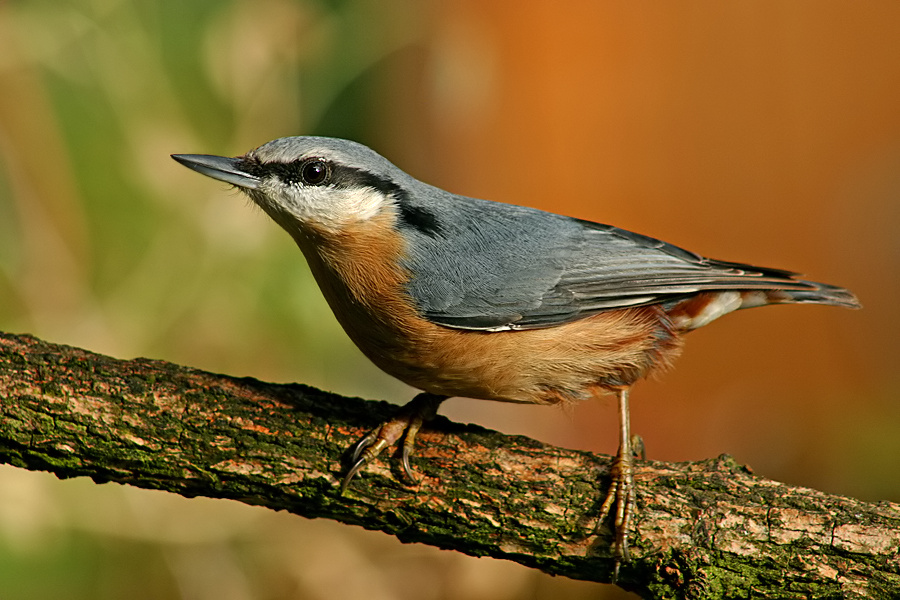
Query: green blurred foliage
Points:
[120, 85]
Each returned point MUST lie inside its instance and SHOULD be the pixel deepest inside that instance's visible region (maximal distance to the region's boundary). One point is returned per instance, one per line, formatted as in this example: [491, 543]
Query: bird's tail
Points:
[817, 293]
[700, 309]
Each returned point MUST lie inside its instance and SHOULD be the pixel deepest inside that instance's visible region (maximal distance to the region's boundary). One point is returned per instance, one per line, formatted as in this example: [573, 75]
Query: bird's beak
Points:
[222, 168]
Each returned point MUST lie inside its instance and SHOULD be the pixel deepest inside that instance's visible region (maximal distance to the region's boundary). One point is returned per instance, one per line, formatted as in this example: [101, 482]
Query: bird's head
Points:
[323, 184]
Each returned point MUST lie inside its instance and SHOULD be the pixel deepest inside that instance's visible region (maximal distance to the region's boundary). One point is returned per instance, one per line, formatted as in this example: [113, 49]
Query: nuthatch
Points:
[463, 297]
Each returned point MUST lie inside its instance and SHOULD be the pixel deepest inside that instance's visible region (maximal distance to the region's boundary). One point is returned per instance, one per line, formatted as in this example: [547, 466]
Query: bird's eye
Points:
[314, 172]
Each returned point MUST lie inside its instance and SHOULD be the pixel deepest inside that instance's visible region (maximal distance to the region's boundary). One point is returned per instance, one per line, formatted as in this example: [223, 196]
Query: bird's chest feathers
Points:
[359, 272]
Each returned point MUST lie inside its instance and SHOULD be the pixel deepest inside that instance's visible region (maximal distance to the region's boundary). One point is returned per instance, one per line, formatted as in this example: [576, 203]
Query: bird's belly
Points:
[567, 362]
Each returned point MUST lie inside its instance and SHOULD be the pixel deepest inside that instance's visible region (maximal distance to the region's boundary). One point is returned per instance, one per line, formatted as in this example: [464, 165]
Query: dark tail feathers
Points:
[819, 293]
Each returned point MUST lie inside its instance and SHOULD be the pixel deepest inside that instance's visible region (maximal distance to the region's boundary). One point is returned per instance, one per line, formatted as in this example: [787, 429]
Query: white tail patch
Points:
[703, 310]
[755, 298]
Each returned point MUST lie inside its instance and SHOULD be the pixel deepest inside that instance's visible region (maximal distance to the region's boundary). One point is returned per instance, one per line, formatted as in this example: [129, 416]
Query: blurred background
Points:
[764, 132]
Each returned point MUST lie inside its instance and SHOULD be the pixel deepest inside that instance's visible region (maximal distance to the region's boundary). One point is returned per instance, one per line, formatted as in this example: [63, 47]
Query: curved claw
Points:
[362, 444]
[409, 420]
[366, 449]
[355, 468]
[404, 462]
[409, 443]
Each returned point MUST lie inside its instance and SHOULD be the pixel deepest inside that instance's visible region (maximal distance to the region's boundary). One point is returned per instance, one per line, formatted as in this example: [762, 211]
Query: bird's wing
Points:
[496, 266]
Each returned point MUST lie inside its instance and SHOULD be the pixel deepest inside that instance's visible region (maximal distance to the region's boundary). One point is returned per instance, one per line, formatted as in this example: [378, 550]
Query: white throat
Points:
[318, 206]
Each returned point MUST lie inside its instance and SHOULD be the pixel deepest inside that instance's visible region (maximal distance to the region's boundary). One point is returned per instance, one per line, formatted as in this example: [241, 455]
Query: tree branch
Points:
[708, 529]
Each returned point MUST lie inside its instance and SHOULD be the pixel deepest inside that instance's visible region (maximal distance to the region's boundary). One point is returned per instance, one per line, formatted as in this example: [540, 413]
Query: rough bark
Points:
[708, 529]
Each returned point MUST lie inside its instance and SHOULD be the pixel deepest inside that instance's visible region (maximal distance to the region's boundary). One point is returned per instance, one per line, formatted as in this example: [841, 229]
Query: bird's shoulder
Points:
[479, 264]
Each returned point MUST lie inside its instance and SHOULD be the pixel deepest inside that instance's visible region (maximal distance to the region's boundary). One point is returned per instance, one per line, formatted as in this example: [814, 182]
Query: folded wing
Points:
[498, 266]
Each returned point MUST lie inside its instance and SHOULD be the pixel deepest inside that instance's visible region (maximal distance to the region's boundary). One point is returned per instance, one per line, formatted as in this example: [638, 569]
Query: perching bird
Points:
[464, 297]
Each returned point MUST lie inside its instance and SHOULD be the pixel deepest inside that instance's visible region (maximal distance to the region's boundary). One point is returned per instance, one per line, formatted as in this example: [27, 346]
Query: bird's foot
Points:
[409, 419]
[621, 495]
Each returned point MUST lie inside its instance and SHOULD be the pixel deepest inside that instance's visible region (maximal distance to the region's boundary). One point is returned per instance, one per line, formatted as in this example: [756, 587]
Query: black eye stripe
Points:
[344, 177]
[307, 171]
[339, 175]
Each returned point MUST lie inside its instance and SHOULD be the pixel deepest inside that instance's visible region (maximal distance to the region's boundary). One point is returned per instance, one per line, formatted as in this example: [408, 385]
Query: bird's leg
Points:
[621, 490]
[409, 419]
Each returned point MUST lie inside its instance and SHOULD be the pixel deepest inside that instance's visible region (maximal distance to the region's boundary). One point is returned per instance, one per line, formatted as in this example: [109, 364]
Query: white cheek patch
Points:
[324, 206]
[365, 203]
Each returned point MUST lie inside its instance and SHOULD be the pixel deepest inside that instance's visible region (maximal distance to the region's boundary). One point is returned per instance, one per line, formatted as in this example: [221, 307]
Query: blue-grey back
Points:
[489, 265]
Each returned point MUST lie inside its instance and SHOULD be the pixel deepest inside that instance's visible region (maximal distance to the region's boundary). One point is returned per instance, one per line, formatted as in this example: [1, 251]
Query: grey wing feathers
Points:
[499, 266]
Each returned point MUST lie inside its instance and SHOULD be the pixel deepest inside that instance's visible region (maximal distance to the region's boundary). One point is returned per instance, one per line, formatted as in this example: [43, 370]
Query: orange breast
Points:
[359, 274]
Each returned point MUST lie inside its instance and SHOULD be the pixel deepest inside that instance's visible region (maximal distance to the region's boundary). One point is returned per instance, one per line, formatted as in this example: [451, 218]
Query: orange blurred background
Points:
[764, 132]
